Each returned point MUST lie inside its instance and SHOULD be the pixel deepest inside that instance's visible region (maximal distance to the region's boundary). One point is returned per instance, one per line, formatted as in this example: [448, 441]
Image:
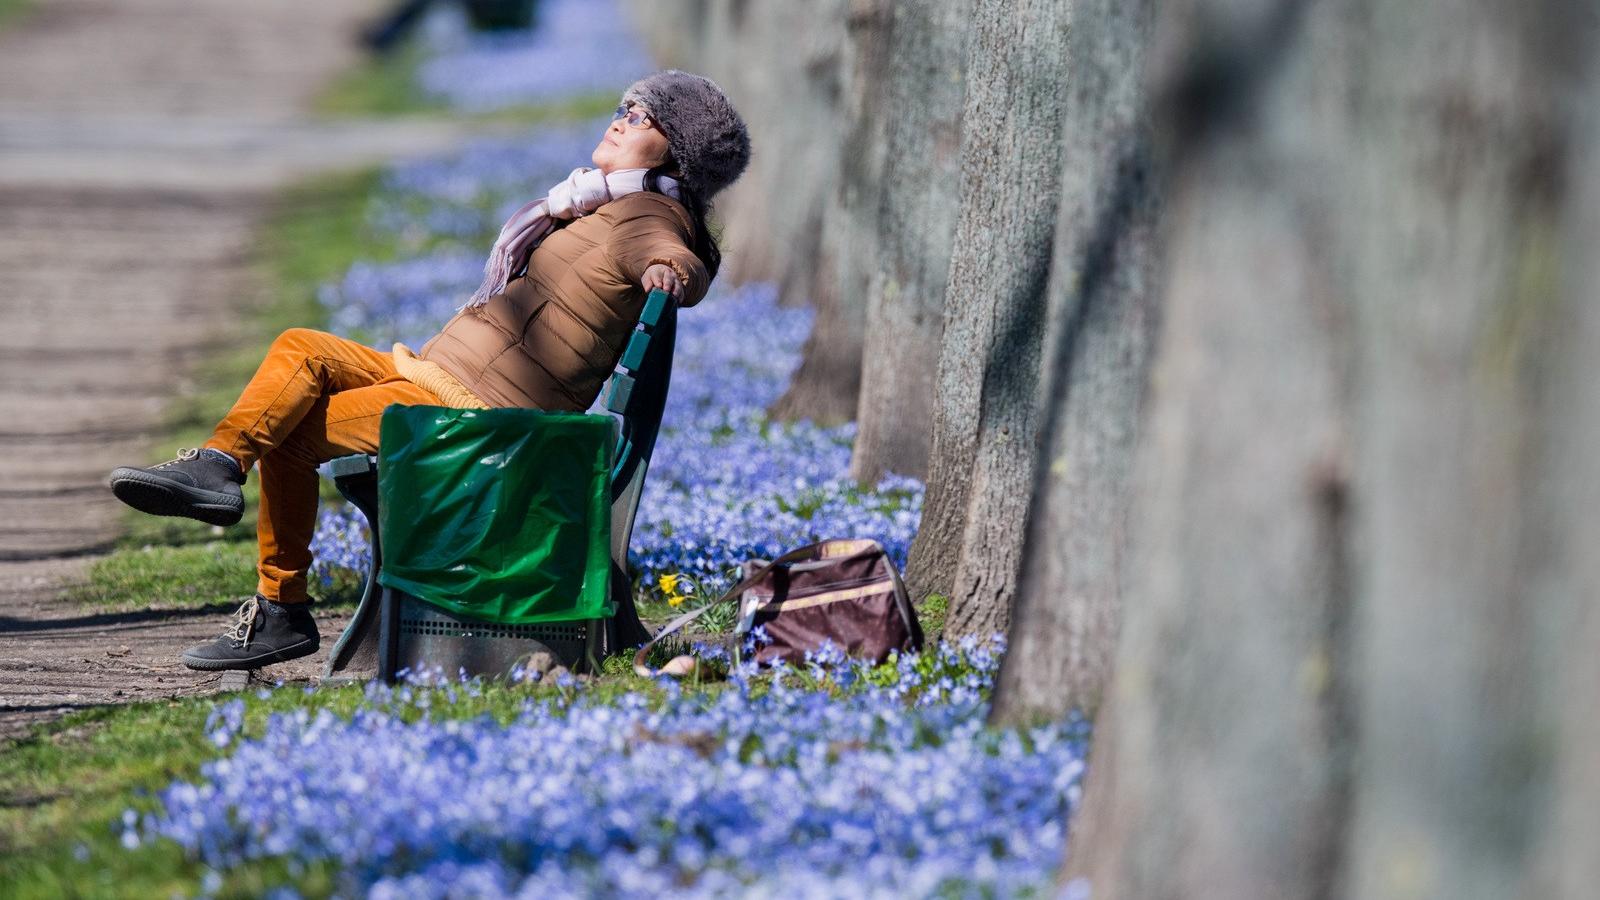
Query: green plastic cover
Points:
[499, 514]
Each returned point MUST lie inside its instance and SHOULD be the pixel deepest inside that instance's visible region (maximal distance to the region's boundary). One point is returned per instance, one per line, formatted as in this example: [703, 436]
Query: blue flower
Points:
[763, 787]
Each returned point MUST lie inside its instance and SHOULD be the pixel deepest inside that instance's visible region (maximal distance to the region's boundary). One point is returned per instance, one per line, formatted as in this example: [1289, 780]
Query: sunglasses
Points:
[638, 118]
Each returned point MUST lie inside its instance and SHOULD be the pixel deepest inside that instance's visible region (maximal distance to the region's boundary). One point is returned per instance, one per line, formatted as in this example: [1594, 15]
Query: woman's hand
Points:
[661, 276]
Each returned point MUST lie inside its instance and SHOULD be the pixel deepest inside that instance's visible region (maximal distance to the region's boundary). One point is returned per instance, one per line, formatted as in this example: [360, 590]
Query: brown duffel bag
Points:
[846, 592]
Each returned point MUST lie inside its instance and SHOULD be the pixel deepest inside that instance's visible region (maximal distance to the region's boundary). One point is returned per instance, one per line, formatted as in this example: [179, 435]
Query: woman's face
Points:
[629, 146]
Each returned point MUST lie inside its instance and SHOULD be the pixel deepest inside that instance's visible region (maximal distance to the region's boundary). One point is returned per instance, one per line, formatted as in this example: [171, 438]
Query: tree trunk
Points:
[985, 418]
[1102, 324]
[780, 64]
[825, 385]
[1568, 865]
[1357, 537]
[1237, 604]
[915, 225]
[1458, 185]
[828, 381]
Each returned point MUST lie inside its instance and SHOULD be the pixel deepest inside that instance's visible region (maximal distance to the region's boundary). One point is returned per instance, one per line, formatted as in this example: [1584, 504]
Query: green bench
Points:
[393, 631]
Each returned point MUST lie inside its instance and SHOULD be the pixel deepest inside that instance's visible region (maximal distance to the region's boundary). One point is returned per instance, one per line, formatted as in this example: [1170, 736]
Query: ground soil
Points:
[140, 144]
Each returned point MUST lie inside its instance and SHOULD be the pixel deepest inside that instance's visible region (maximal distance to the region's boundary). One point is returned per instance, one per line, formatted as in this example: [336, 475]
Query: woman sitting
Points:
[547, 339]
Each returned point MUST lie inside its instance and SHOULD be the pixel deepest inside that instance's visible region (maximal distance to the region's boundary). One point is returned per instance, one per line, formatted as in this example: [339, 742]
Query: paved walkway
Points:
[139, 144]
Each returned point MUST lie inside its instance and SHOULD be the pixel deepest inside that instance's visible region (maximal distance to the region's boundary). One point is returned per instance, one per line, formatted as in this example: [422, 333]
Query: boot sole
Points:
[294, 651]
[160, 497]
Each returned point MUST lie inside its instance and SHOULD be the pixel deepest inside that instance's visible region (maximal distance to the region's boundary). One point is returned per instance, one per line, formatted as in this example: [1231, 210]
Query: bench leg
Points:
[355, 656]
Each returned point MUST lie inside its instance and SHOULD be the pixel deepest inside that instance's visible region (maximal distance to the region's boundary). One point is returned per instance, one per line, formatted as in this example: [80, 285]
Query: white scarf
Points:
[583, 191]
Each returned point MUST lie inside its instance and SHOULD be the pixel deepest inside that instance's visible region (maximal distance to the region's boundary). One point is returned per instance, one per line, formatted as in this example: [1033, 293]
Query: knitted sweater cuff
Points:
[678, 269]
[433, 378]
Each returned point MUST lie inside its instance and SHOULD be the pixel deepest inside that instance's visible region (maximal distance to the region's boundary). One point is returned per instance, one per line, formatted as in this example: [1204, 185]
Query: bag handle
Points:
[732, 593]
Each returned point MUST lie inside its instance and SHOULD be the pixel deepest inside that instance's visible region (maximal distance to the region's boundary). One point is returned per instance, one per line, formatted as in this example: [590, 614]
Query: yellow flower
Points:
[668, 583]
[675, 599]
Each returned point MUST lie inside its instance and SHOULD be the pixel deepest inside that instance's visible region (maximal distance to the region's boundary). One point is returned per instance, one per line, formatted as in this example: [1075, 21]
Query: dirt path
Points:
[139, 143]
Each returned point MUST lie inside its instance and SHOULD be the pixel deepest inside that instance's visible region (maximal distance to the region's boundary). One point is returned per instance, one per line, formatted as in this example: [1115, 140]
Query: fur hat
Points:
[707, 137]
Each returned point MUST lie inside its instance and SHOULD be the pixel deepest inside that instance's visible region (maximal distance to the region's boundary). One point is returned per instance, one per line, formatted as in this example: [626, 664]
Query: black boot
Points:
[263, 633]
[199, 484]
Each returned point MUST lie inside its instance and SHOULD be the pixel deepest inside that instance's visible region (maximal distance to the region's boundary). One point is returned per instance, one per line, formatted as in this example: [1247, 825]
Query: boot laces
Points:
[184, 455]
[244, 620]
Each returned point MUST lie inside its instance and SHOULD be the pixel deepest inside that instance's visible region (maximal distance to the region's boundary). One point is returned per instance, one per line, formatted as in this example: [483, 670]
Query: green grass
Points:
[188, 576]
[576, 108]
[161, 577]
[13, 11]
[380, 86]
[931, 613]
[62, 789]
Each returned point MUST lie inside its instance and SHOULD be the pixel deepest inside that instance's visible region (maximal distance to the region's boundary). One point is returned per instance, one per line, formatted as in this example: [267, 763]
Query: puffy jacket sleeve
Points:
[638, 242]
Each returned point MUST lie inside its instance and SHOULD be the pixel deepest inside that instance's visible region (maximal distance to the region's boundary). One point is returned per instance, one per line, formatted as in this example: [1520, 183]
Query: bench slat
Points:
[618, 390]
[633, 354]
[653, 305]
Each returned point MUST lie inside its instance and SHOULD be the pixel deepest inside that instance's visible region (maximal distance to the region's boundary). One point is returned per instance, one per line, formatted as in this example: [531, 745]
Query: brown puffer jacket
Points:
[550, 340]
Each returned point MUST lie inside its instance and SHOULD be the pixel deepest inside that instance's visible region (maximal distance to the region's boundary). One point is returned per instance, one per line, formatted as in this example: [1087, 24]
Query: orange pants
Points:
[316, 396]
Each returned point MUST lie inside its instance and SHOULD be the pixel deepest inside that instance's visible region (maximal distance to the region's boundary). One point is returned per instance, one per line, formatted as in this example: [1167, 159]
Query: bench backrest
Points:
[637, 391]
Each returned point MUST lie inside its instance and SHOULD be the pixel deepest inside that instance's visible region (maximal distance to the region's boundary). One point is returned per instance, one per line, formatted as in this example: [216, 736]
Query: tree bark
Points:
[827, 383]
[1462, 115]
[1568, 865]
[1237, 607]
[915, 224]
[1101, 327]
[780, 64]
[1356, 527]
[985, 418]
